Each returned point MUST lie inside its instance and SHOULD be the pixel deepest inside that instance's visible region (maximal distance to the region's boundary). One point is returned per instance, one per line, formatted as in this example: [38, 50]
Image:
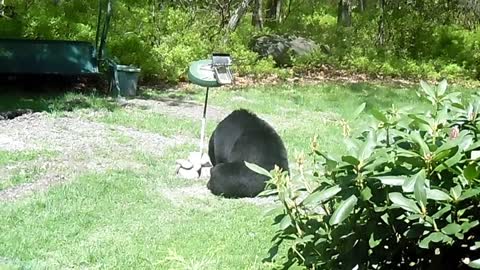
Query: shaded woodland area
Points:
[405, 38]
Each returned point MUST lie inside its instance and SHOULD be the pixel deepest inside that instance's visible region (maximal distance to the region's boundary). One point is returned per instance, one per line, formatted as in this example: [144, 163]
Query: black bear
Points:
[242, 136]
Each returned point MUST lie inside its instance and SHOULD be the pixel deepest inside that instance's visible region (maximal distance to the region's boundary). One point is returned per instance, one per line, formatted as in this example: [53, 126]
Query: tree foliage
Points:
[417, 38]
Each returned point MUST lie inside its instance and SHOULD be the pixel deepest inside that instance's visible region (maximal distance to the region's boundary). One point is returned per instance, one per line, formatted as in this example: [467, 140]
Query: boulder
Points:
[282, 48]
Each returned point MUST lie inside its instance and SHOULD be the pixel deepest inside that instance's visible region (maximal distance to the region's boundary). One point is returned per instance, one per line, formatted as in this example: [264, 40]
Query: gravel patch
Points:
[88, 146]
[82, 145]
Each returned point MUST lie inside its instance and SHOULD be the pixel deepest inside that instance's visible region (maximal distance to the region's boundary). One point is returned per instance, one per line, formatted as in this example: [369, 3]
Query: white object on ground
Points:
[184, 163]
[198, 165]
[188, 174]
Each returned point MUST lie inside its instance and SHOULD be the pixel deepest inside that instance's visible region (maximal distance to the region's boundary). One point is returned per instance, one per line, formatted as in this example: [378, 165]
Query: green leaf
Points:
[367, 147]
[415, 231]
[442, 86]
[343, 211]
[448, 149]
[407, 153]
[321, 240]
[437, 195]
[475, 155]
[442, 211]
[469, 193]
[452, 96]
[399, 200]
[384, 217]
[433, 237]
[359, 110]
[474, 264]
[467, 226]
[465, 140]
[366, 194]
[451, 228]
[427, 88]
[330, 161]
[380, 116]
[351, 160]
[471, 171]
[409, 184]
[392, 180]
[442, 117]
[321, 196]
[273, 211]
[352, 146]
[425, 242]
[449, 162]
[420, 191]
[258, 169]
[420, 120]
[455, 192]
[372, 242]
[285, 222]
[473, 146]
[424, 150]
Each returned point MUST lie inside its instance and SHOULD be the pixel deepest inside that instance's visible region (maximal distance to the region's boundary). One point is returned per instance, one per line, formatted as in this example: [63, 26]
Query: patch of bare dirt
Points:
[81, 146]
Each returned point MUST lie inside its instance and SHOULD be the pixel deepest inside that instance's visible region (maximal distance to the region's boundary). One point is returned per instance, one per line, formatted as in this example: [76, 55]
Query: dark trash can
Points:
[124, 81]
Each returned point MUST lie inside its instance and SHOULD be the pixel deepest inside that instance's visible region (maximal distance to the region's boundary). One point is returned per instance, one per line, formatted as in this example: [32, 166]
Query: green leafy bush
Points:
[163, 37]
[406, 195]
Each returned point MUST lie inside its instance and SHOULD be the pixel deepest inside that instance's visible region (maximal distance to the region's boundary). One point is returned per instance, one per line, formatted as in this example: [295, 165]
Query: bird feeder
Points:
[213, 72]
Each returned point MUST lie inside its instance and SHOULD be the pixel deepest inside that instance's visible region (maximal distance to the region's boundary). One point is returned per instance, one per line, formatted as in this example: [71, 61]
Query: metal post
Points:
[202, 133]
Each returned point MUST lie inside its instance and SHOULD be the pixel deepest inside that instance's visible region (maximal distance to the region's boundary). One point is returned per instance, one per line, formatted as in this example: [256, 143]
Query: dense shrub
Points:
[406, 196]
[163, 37]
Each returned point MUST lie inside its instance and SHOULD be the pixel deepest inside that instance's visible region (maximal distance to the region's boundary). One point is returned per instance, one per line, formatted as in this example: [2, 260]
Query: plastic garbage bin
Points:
[125, 80]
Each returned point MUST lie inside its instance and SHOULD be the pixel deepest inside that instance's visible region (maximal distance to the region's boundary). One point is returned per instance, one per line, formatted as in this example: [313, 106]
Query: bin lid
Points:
[125, 68]
[201, 73]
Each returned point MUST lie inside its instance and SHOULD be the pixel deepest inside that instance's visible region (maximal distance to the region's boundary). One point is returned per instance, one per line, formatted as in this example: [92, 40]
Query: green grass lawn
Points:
[141, 218]
[22, 175]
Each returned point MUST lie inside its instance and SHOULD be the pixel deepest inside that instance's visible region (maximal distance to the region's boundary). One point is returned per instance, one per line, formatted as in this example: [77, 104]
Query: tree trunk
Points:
[237, 15]
[344, 13]
[362, 5]
[381, 25]
[275, 10]
[224, 11]
[257, 16]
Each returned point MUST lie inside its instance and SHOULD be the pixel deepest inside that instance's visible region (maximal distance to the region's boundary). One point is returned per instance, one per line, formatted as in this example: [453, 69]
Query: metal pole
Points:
[202, 133]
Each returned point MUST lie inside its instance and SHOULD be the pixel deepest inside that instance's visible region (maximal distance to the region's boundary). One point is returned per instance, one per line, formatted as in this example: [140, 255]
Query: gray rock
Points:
[282, 48]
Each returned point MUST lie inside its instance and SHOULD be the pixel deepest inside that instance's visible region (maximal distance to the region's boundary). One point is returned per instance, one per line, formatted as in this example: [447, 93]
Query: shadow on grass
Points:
[171, 98]
[52, 93]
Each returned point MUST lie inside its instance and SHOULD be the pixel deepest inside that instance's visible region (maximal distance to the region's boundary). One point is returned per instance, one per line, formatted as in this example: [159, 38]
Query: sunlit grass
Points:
[150, 219]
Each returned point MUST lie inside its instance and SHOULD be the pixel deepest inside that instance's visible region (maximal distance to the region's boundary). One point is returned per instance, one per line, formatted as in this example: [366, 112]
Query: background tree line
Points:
[414, 38]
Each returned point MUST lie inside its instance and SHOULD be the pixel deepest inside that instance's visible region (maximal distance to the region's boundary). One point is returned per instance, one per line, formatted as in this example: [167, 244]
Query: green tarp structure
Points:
[19, 56]
[34, 56]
